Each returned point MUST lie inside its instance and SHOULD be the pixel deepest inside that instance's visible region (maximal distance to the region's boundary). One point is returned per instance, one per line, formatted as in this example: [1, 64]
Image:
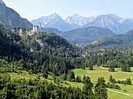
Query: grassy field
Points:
[126, 91]
[25, 75]
[113, 95]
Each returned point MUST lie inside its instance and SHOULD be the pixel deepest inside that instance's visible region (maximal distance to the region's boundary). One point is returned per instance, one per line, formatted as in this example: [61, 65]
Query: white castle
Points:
[35, 30]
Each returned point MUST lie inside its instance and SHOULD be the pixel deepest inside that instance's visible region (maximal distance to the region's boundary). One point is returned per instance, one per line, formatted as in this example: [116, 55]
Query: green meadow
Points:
[126, 91]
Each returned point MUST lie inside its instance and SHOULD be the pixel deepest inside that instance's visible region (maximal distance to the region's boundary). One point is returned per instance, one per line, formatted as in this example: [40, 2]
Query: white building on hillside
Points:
[35, 30]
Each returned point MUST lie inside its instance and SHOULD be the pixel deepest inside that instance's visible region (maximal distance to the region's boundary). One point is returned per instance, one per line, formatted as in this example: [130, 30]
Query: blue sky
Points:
[32, 9]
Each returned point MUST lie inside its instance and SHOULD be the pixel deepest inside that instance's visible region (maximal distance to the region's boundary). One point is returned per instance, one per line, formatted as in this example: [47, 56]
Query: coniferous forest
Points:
[56, 57]
[66, 57]
[48, 54]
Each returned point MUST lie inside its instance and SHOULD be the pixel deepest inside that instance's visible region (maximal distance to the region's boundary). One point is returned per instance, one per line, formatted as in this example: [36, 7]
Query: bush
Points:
[114, 86]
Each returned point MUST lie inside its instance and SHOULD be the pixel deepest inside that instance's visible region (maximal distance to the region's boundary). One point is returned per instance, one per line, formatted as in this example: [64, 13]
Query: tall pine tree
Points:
[100, 89]
[87, 88]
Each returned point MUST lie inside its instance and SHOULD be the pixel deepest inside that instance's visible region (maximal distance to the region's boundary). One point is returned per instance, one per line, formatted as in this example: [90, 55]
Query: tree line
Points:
[38, 89]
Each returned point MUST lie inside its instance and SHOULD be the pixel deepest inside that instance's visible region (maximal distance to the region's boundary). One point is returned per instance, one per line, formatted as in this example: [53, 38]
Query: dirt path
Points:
[130, 95]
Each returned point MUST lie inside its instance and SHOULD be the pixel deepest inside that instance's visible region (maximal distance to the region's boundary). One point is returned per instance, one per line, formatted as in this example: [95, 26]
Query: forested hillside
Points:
[88, 34]
[53, 57]
[122, 40]
[49, 61]
[46, 54]
[44, 50]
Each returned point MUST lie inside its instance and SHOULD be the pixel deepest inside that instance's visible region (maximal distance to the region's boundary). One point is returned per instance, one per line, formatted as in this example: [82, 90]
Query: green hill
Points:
[84, 35]
[124, 40]
[50, 44]
[38, 53]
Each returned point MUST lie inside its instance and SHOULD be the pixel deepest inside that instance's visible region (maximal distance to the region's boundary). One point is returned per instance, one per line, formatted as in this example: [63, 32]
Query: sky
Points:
[32, 9]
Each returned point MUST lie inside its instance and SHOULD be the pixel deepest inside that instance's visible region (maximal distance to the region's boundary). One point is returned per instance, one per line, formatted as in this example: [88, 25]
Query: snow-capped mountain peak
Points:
[112, 22]
[52, 21]
[78, 20]
[55, 16]
[46, 20]
[109, 21]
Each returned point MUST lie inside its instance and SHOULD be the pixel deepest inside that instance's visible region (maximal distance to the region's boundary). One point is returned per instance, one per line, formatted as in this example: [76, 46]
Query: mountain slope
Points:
[1, 2]
[9, 44]
[84, 35]
[78, 20]
[119, 39]
[51, 44]
[52, 21]
[112, 22]
[52, 30]
[10, 18]
[44, 52]
[123, 40]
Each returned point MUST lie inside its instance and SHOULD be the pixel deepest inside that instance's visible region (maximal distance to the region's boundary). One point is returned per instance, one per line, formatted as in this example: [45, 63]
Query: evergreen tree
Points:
[125, 68]
[111, 69]
[84, 79]
[78, 79]
[112, 65]
[87, 88]
[91, 67]
[128, 81]
[112, 80]
[100, 89]
[91, 64]
[71, 76]
[128, 69]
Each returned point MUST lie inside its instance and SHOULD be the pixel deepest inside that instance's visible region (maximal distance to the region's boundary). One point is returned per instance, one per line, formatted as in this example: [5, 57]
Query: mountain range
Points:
[113, 22]
[56, 21]
[121, 40]
[52, 21]
[9, 18]
[110, 21]
[75, 28]
[79, 20]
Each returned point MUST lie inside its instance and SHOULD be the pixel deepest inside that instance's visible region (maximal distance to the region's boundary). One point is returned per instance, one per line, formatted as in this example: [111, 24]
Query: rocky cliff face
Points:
[1, 2]
[10, 18]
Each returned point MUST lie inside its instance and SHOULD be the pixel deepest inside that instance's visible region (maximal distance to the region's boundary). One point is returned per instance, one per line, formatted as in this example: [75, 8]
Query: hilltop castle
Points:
[35, 30]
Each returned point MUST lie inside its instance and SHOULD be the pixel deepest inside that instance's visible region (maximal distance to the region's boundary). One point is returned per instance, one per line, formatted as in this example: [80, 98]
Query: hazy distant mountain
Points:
[55, 21]
[52, 21]
[1, 2]
[78, 20]
[10, 18]
[89, 34]
[52, 30]
[128, 24]
[109, 21]
[112, 22]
